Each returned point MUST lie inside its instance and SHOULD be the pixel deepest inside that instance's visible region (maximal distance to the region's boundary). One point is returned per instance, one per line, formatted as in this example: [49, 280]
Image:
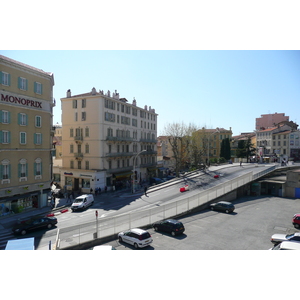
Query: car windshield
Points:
[178, 225]
[78, 200]
[288, 236]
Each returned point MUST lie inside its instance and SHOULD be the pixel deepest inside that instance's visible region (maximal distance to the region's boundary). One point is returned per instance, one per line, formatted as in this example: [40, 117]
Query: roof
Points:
[4, 58]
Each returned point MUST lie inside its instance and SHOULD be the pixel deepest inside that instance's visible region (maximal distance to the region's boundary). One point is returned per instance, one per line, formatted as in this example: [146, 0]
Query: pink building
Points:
[270, 120]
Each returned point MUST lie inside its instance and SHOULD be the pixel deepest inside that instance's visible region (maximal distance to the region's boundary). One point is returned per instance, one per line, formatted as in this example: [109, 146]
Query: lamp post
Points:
[133, 171]
[217, 130]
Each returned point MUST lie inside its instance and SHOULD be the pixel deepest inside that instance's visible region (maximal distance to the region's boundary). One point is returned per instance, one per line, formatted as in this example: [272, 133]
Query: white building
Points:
[102, 139]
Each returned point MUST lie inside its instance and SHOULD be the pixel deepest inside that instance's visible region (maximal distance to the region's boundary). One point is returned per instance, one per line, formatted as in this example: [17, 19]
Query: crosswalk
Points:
[4, 237]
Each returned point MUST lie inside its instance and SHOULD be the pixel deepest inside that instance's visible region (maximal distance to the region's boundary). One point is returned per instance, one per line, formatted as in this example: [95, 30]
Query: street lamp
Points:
[133, 171]
[217, 130]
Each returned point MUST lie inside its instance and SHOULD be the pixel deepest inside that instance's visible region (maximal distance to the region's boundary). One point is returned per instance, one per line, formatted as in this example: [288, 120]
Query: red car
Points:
[296, 221]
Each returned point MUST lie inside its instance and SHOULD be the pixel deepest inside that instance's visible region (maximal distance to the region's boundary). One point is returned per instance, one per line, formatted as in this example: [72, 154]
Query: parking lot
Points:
[249, 227]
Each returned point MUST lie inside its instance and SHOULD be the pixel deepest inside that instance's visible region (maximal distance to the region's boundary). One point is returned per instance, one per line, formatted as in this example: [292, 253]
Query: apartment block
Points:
[105, 140]
[26, 104]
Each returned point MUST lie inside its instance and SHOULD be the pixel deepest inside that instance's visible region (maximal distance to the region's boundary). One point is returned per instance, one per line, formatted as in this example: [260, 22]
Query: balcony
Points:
[78, 156]
[78, 139]
[148, 141]
[119, 139]
[119, 154]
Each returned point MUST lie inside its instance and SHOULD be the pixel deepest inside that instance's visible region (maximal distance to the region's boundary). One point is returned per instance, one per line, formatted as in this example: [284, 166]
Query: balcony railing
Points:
[78, 156]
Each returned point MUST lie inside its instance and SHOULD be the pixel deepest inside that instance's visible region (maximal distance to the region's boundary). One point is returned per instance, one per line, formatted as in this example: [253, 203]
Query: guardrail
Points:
[110, 226]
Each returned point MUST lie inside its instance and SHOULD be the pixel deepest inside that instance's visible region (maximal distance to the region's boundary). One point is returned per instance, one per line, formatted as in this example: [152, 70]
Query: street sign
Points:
[96, 213]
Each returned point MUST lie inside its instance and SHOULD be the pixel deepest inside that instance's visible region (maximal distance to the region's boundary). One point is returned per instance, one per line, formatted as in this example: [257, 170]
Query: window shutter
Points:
[19, 82]
[0, 77]
[34, 169]
[26, 88]
[9, 137]
[26, 170]
[9, 117]
[1, 137]
[34, 87]
[9, 171]
[41, 89]
[35, 138]
[19, 119]
[26, 119]
[19, 170]
[9, 79]
[0, 116]
[1, 171]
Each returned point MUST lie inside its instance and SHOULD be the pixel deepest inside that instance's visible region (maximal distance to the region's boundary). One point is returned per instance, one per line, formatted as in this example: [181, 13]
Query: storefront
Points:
[21, 203]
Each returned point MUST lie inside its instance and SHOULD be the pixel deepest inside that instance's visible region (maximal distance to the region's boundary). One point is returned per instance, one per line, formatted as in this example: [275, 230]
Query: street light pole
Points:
[133, 171]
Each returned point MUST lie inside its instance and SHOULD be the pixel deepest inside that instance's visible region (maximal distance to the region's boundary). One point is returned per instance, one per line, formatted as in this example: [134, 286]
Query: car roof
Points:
[288, 245]
[173, 221]
[138, 230]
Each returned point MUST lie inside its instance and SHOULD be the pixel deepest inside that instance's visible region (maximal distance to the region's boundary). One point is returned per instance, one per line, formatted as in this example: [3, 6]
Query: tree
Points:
[245, 149]
[225, 149]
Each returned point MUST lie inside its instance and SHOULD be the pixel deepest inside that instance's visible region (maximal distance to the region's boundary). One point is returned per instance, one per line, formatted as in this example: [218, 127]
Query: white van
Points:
[82, 202]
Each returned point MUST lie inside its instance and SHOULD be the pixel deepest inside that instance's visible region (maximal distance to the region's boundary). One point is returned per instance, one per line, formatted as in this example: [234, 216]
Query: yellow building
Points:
[104, 139]
[26, 103]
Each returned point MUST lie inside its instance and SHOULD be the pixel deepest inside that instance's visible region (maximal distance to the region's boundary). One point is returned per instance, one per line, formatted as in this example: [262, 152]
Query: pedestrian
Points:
[145, 190]
[69, 198]
[91, 191]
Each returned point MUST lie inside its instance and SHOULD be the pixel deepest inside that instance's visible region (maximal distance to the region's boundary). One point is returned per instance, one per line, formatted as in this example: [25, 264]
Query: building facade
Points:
[26, 131]
[269, 120]
[105, 139]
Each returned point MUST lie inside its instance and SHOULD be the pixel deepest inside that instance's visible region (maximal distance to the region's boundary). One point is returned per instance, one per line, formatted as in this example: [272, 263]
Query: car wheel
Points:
[173, 233]
[227, 211]
[136, 246]
[120, 239]
[23, 232]
[297, 226]
[49, 226]
[212, 208]
[155, 228]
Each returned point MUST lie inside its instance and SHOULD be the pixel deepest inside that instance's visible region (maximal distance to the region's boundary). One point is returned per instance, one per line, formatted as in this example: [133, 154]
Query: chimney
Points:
[134, 102]
[93, 91]
[68, 93]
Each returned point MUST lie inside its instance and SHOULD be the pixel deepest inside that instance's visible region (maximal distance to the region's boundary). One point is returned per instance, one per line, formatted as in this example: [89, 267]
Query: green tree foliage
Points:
[245, 149]
[225, 149]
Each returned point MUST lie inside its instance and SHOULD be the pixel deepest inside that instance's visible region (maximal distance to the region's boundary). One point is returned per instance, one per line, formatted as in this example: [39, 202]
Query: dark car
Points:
[296, 221]
[155, 180]
[35, 223]
[172, 226]
[223, 206]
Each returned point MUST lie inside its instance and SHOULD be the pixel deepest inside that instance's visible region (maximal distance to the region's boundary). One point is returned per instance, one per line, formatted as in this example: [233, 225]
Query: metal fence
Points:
[109, 226]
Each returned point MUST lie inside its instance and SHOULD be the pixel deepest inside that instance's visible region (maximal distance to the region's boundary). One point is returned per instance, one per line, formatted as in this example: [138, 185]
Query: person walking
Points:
[145, 190]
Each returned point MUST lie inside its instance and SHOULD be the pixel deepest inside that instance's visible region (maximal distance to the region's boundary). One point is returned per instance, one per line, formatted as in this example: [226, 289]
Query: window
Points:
[4, 137]
[72, 164]
[5, 78]
[5, 170]
[22, 83]
[83, 103]
[22, 169]
[71, 148]
[38, 88]
[76, 117]
[38, 121]
[83, 116]
[38, 139]
[23, 138]
[87, 132]
[74, 103]
[38, 168]
[71, 132]
[79, 164]
[4, 116]
[109, 132]
[22, 119]
[87, 165]
[87, 148]
[109, 117]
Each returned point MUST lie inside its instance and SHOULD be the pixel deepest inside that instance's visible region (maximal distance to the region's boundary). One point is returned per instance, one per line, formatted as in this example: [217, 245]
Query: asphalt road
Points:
[249, 227]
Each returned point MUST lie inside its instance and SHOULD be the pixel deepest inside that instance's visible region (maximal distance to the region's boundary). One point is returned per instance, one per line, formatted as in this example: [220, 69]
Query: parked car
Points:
[104, 247]
[286, 245]
[280, 237]
[296, 221]
[171, 226]
[137, 237]
[223, 206]
[155, 180]
[34, 223]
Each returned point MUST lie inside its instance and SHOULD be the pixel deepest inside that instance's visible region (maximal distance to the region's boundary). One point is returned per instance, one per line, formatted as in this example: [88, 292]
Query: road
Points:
[79, 223]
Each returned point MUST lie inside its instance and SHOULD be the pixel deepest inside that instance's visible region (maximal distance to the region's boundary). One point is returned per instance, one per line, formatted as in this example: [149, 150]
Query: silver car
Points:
[137, 237]
[280, 237]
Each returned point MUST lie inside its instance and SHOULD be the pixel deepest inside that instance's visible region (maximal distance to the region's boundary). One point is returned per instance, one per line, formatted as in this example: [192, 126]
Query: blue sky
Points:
[207, 88]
